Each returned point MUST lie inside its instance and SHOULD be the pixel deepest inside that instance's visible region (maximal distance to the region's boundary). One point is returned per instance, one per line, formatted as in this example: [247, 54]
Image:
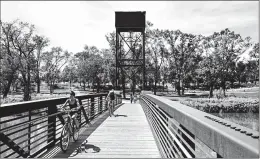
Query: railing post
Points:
[89, 108]
[80, 111]
[100, 104]
[92, 107]
[29, 132]
[106, 105]
[52, 127]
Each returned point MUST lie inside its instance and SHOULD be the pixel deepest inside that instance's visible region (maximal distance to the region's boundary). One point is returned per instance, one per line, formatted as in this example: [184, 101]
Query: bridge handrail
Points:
[179, 124]
[37, 124]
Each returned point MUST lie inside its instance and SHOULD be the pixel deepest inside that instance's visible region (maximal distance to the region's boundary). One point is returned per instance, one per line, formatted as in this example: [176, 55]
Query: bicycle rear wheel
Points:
[75, 128]
[65, 138]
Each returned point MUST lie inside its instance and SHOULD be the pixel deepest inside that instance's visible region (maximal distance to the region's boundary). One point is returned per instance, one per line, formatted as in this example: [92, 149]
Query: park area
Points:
[240, 106]
[158, 50]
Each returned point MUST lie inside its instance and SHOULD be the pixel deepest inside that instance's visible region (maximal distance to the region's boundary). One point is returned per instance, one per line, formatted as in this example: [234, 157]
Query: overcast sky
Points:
[71, 25]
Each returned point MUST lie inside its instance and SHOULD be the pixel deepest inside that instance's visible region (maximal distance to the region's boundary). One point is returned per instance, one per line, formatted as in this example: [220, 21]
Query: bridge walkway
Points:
[127, 135]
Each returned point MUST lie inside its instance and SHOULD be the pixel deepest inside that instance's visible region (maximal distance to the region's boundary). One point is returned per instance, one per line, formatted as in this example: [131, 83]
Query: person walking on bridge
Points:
[110, 99]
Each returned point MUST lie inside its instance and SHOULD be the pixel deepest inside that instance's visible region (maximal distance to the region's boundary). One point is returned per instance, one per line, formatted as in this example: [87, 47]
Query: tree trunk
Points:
[27, 83]
[123, 83]
[50, 87]
[179, 87]
[182, 86]
[133, 86]
[197, 85]
[26, 91]
[223, 85]
[211, 91]
[155, 87]
[38, 82]
[155, 82]
[26, 96]
[98, 85]
[13, 88]
[38, 87]
[93, 86]
[163, 86]
[232, 84]
[84, 85]
[7, 88]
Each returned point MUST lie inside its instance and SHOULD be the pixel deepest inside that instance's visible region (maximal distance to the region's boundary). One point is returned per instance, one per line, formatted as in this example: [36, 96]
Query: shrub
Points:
[226, 105]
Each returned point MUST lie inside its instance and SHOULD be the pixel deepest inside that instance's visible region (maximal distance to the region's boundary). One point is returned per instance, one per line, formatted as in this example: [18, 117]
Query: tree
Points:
[83, 66]
[54, 60]
[254, 54]
[23, 42]
[70, 71]
[90, 65]
[9, 56]
[41, 43]
[96, 68]
[252, 70]
[109, 66]
[156, 51]
[228, 46]
[209, 70]
[183, 53]
[240, 71]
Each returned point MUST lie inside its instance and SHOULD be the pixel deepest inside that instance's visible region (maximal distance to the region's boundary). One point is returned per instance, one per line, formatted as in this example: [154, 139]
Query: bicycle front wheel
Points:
[75, 131]
[65, 138]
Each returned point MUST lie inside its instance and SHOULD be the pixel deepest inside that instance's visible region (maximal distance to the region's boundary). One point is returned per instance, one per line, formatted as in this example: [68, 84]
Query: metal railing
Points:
[29, 129]
[184, 132]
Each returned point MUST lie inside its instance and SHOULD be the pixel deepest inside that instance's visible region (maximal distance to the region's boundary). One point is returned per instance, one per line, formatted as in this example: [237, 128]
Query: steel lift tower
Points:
[130, 22]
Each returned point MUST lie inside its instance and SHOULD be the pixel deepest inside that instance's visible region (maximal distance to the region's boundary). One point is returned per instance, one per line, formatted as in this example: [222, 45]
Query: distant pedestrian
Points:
[110, 99]
[135, 98]
[131, 97]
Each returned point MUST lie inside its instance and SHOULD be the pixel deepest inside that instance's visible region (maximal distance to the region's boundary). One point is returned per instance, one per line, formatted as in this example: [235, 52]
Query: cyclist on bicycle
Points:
[74, 103]
[111, 96]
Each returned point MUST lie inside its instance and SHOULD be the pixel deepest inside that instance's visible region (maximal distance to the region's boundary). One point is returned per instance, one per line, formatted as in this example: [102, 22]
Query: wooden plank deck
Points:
[128, 135]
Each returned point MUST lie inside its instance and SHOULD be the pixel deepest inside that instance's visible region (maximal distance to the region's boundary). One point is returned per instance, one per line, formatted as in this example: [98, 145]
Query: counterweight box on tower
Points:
[130, 21]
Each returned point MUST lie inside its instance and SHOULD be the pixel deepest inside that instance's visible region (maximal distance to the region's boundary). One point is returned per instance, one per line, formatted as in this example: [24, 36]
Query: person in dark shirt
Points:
[73, 102]
[110, 99]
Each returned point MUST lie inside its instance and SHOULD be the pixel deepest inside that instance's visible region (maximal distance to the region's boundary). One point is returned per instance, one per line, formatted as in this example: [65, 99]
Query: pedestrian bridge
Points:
[154, 127]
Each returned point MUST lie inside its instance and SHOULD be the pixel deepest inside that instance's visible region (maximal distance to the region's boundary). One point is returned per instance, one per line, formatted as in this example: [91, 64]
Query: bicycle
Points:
[71, 127]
